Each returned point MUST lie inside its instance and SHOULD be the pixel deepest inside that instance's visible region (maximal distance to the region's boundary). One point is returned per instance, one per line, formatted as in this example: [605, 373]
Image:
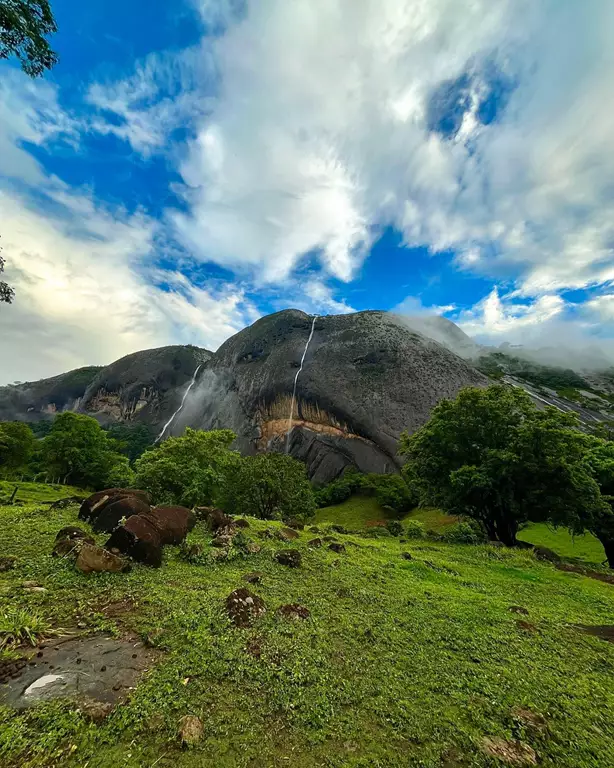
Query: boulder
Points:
[139, 538]
[294, 612]
[174, 523]
[116, 510]
[314, 543]
[287, 534]
[94, 504]
[337, 547]
[96, 559]
[244, 607]
[69, 540]
[290, 557]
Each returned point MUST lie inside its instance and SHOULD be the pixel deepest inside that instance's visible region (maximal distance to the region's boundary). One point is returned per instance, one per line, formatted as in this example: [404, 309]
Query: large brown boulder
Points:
[174, 523]
[139, 538]
[112, 513]
[94, 504]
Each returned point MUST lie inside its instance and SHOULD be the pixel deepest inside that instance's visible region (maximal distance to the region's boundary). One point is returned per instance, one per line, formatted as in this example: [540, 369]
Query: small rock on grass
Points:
[514, 753]
[337, 547]
[241, 523]
[526, 626]
[518, 609]
[296, 524]
[294, 611]
[314, 543]
[7, 563]
[95, 710]
[314, 529]
[244, 607]
[290, 557]
[406, 556]
[253, 578]
[190, 730]
[287, 534]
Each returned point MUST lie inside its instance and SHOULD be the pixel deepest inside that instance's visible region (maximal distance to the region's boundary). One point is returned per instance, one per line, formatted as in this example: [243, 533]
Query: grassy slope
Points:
[414, 659]
[356, 512]
[37, 492]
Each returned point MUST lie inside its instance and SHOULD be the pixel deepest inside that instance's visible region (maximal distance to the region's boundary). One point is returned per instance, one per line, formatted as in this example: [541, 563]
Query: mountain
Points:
[366, 377]
[140, 386]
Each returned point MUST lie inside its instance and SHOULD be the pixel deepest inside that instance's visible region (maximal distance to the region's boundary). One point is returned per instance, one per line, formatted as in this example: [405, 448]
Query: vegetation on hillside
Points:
[401, 662]
[492, 456]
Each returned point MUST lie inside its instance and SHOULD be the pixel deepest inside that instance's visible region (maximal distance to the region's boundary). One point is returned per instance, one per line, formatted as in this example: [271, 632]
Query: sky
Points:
[190, 166]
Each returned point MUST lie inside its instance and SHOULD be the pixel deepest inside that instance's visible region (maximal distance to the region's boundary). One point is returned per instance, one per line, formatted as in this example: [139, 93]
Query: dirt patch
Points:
[603, 631]
[608, 578]
[100, 668]
[510, 752]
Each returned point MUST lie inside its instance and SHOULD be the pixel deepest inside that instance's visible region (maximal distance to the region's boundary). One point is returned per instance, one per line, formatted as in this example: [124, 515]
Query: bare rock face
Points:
[366, 377]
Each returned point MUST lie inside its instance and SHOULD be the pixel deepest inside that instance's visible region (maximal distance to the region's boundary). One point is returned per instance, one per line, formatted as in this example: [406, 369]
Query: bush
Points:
[391, 491]
[465, 532]
[394, 527]
[187, 470]
[378, 532]
[271, 486]
[414, 529]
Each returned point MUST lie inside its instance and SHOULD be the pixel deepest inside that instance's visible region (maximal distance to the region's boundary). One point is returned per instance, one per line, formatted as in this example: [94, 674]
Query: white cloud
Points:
[162, 94]
[499, 319]
[603, 307]
[319, 137]
[85, 290]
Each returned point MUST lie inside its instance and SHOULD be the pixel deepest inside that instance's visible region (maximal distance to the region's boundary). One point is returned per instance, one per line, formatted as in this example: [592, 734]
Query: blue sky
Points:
[190, 166]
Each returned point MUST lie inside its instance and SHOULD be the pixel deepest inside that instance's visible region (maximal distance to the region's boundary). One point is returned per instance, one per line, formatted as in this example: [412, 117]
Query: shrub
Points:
[414, 529]
[394, 527]
[465, 532]
[187, 470]
[270, 486]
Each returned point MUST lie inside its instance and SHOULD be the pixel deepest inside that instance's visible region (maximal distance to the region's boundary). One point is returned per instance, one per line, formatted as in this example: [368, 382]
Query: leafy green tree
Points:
[187, 470]
[17, 444]
[270, 486]
[24, 27]
[601, 461]
[121, 474]
[78, 451]
[491, 455]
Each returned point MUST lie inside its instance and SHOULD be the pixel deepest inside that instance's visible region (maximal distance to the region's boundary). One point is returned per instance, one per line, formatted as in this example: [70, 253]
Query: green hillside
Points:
[402, 662]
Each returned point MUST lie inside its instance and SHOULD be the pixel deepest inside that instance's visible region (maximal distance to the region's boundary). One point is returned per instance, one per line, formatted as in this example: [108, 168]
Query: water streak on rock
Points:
[183, 399]
[298, 373]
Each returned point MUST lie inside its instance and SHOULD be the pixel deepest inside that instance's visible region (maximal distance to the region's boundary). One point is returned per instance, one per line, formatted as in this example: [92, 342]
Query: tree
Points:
[24, 25]
[78, 451]
[491, 455]
[17, 443]
[601, 461]
[187, 470]
[269, 486]
[6, 292]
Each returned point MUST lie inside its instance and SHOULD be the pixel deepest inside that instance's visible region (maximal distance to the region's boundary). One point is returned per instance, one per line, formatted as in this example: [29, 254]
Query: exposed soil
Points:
[608, 578]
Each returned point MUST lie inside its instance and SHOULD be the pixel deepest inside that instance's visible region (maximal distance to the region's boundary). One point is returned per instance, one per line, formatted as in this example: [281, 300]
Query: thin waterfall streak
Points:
[298, 373]
[183, 399]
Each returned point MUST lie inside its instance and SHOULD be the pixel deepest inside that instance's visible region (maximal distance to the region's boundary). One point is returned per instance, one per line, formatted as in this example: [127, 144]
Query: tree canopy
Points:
[17, 444]
[6, 292]
[77, 450]
[269, 486]
[491, 455]
[24, 27]
[187, 470]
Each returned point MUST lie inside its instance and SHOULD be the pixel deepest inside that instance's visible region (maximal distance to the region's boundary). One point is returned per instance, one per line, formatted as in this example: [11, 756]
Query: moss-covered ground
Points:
[401, 663]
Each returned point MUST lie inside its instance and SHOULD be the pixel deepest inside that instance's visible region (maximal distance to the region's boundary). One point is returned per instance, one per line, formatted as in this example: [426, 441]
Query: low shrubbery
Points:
[391, 491]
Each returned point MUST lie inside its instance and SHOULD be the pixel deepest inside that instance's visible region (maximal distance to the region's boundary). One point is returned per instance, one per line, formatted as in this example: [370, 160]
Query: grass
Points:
[586, 548]
[37, 492]
[354, 514]
[402, 662]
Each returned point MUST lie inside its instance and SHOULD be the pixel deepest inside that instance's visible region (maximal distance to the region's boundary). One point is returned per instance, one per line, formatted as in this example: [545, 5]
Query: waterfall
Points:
[298, 373]
[183, 399]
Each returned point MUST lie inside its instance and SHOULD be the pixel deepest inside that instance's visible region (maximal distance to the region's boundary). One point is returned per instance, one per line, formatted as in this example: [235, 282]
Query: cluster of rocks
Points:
[137, 531]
